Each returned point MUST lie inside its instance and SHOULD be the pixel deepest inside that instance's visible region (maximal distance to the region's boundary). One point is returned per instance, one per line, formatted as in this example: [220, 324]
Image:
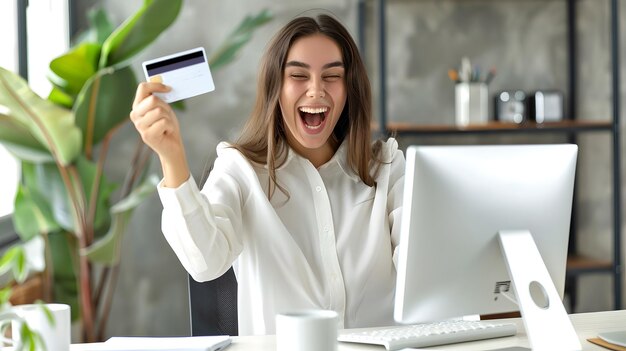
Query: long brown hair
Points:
[263, 139]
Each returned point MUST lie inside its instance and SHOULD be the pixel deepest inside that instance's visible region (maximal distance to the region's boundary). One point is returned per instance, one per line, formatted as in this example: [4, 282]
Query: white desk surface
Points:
[587, 325]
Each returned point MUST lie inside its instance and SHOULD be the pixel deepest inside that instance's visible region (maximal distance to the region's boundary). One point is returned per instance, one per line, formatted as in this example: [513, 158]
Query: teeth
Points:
[312, 127]
[314, 109]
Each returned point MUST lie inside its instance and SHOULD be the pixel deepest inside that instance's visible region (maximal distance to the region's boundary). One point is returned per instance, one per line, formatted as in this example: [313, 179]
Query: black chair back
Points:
[213, 306]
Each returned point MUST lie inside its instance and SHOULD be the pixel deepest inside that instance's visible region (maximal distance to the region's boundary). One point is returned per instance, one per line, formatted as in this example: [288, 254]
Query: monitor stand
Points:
[547, 324]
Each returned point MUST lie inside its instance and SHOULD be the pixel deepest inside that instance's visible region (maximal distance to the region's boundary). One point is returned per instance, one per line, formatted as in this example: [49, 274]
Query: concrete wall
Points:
[524, 40]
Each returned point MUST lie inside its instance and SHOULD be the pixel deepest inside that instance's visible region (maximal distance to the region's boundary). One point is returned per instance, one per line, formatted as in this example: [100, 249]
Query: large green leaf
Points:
[99, 27]
[106, 251]
[228, 50]
[63, 248]
[44, 180]
[5, 295]
[138, 31]
[19, 141]
[70, 71]
[60, 97]
[43, 183]
[104, 103]
[32, 215]
[137, 196]
[87, 172]
[100, 24]
[14, 259]
[51, 125]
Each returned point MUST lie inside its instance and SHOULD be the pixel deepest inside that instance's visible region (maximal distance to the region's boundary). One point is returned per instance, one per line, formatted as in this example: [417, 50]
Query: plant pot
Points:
[28, 292]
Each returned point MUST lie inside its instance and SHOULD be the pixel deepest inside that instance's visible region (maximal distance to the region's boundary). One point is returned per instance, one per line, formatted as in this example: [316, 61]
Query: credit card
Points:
[186, 72]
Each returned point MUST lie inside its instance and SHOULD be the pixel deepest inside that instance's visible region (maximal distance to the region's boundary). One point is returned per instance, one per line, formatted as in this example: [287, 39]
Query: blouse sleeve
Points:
[203, 227]
[395, 195]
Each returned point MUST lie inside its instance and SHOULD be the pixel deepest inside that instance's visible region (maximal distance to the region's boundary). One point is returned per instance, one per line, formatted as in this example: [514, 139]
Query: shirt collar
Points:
[340, 158]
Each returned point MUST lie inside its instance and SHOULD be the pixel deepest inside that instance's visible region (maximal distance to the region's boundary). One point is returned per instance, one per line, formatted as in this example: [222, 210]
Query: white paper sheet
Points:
[195, 343]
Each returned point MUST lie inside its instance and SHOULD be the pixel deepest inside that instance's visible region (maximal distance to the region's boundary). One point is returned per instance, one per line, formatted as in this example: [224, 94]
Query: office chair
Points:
[213, 306]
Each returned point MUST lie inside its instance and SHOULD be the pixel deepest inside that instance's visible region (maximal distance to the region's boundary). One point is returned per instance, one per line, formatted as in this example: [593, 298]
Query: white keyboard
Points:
[430, 334]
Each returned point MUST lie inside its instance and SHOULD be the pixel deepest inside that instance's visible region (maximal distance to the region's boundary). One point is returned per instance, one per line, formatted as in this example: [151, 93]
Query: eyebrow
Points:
[305, 65]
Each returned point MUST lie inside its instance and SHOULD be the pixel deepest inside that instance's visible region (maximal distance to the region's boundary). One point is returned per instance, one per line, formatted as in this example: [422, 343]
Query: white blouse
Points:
[330, 245]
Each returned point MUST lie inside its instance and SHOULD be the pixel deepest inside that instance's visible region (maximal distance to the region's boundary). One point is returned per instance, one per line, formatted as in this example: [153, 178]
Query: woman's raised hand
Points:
[154, 119]
[158, 126]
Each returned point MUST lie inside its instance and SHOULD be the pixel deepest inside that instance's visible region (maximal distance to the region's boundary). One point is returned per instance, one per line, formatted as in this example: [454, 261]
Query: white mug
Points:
[308, 330]
[56, 335]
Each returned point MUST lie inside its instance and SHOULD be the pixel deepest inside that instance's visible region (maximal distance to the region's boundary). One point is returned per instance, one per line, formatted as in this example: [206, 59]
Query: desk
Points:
[587, 325]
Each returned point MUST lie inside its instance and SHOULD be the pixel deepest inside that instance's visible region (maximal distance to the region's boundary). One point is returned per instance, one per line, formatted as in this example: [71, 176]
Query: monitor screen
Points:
[456, 201]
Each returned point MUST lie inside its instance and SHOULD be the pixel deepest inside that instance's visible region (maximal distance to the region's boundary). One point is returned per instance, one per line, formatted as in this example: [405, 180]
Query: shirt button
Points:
[326, 229]
[318, 188]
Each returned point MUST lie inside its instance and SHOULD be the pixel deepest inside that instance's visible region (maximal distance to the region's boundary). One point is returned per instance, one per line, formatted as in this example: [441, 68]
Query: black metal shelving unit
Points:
[569, 127]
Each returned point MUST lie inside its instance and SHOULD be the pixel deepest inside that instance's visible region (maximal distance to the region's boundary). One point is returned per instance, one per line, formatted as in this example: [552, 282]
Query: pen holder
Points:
[471, 103]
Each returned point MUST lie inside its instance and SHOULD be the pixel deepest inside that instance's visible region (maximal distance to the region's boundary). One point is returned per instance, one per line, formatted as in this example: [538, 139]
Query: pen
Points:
[490, 75]
[476, 74]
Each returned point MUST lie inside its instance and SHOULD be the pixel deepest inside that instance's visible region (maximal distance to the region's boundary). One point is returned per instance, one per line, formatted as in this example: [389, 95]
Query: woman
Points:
[304, 207]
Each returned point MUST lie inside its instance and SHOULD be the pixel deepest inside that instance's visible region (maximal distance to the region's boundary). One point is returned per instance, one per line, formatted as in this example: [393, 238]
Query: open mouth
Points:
[313, 117]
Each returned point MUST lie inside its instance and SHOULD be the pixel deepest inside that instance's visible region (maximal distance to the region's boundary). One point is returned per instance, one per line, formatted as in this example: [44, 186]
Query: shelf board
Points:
[579, 264]
[566, 126]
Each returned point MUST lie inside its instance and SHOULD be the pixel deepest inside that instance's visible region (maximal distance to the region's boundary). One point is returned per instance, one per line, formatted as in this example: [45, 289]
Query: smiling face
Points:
[313, 96]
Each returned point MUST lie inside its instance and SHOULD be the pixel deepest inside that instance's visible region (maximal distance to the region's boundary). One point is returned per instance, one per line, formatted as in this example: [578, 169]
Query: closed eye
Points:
[332, 77]
[298, 76]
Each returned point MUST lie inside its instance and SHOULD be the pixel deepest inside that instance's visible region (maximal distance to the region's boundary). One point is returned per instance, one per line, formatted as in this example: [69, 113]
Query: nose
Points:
[316, 88]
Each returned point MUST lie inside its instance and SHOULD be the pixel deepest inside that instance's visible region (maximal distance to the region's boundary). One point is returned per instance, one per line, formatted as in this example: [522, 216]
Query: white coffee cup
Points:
[56, 335]
[307, 330]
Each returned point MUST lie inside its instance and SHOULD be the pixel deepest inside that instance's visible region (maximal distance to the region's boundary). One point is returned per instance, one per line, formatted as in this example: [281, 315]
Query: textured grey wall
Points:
[524, 39]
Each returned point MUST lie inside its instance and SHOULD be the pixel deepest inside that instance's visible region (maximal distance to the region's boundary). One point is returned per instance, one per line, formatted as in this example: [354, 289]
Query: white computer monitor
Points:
[457, 199]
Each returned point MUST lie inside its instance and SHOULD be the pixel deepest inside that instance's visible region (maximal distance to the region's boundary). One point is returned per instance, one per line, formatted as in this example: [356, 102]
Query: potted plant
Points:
[65, 196]
[15, 261]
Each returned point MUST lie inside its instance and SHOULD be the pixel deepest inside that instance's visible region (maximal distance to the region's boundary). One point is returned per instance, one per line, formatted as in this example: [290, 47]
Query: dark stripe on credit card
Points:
[175, 63]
